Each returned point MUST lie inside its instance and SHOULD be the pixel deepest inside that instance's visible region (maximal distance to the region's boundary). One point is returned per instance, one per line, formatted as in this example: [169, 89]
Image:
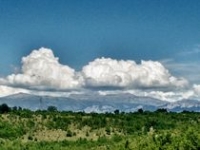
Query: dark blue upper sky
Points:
[80, 30]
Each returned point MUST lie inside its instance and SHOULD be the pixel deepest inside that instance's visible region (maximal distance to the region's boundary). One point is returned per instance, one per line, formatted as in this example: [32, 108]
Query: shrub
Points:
[69, 133]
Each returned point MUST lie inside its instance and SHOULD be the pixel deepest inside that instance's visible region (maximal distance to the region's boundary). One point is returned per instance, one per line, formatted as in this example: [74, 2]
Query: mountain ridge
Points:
[97, 102]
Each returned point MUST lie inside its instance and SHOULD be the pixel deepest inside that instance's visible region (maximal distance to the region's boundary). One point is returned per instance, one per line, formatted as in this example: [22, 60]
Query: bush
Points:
[30, 138]
[69, 133]
[108, 131]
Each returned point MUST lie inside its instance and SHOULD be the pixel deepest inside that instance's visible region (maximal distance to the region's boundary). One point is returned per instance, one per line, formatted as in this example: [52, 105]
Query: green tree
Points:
[140, 110]
[52, 109]
[4, 108]
[116, 111]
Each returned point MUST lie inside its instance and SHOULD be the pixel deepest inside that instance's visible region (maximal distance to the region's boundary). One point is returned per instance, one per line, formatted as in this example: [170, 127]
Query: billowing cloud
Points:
[128, 74]
[42, 70]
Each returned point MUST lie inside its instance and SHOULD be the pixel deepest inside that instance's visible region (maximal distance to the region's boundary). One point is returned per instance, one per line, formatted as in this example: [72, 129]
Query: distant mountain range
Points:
[98, 103]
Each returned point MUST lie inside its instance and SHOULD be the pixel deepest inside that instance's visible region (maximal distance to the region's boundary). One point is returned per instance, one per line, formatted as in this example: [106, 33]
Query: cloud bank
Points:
[128, 74]
[6, 90]
[42, 71]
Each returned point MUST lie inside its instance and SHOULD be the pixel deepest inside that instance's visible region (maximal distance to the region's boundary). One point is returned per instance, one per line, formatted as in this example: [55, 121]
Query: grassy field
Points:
[53, 130]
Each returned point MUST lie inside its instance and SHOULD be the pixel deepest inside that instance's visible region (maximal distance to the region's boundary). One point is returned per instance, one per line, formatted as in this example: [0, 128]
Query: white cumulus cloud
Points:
[42, 70]
[129, 74]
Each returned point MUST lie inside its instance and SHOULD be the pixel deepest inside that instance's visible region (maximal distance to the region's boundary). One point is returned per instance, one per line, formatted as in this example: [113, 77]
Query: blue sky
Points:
[130, 29]
[79, 31]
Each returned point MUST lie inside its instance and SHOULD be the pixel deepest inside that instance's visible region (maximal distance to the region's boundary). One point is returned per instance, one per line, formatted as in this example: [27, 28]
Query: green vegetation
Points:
[22, 129]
